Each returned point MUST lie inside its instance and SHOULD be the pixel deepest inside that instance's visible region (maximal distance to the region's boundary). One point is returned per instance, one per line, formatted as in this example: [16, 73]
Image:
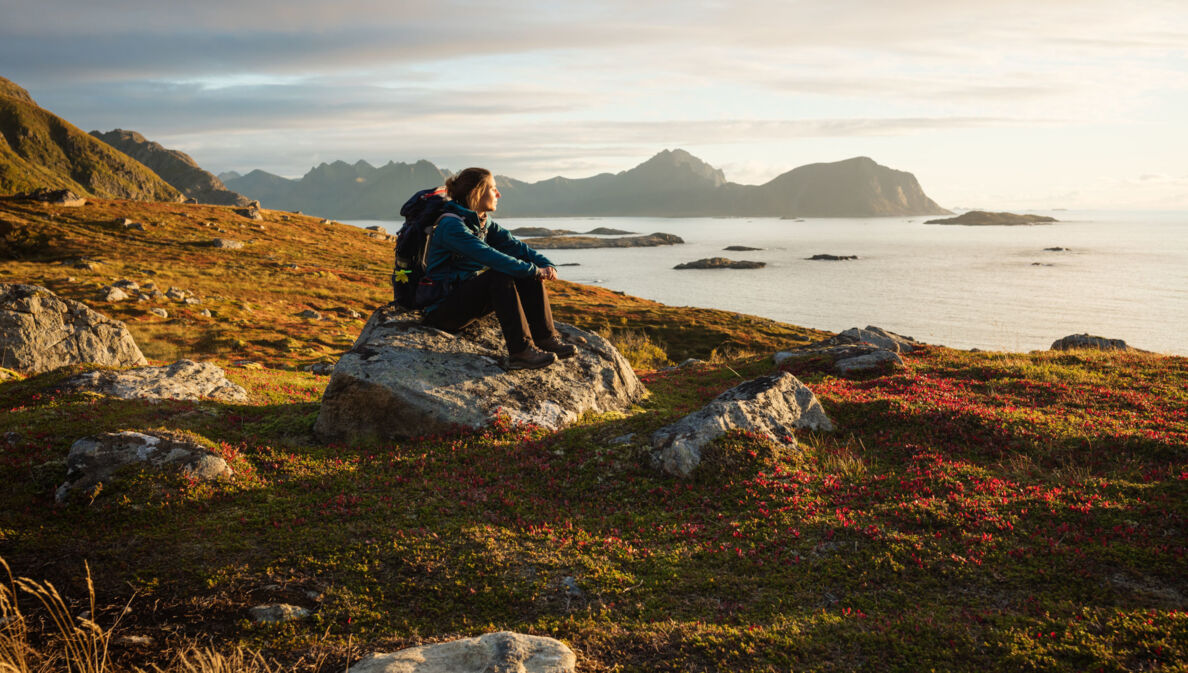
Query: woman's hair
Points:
[468, 187]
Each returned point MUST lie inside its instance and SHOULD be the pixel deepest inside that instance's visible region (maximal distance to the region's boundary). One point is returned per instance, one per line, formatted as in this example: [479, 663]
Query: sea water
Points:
[1122, 275]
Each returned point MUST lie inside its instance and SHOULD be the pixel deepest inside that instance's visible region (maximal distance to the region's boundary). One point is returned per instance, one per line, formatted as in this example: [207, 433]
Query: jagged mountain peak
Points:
[677, 165]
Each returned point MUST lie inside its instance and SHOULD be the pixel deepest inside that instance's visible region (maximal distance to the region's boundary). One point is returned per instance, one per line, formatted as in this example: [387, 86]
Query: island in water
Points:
[580, 242]
[982, 218]
[720, 263]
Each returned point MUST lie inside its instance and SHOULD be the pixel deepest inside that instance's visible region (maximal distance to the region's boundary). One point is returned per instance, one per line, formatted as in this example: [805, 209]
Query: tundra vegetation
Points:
[974, 511]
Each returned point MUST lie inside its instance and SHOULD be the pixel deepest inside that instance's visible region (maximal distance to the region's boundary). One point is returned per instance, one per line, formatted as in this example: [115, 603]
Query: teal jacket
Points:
[461, 248]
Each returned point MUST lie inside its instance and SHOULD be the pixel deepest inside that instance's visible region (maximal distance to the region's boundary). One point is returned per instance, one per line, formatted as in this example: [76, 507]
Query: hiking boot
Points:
[530, 358]
[554, 344]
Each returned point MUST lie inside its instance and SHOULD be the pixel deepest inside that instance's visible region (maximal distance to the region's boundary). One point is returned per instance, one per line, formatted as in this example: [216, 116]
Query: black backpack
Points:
[421, 213]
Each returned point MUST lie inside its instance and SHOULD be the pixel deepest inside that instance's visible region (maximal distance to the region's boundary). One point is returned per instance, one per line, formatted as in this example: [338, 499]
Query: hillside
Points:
[973, 511]
[39, 149]
[673, 183]
[175, 167]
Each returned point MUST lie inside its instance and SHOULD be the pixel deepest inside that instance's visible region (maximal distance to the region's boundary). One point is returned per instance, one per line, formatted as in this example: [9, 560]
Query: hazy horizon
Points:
[1041, 104]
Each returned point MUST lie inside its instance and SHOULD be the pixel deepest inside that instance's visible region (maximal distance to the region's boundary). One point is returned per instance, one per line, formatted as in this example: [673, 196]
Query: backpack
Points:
[421, 213]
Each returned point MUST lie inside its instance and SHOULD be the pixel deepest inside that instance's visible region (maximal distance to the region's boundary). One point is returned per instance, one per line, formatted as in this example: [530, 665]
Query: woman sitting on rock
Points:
[478, 267]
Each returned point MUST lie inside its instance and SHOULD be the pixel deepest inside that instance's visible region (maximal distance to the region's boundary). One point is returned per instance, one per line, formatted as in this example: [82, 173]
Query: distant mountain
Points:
[40, 149]
[175, 167]
[673, 183]
[344, 191]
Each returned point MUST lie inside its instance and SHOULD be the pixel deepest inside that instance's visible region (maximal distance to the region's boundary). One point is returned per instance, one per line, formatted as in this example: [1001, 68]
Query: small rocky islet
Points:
[982, 218]
[720, 263]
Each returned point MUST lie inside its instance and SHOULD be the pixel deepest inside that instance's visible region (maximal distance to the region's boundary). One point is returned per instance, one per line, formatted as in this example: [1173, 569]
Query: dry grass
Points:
[643, 352]
[79, 644]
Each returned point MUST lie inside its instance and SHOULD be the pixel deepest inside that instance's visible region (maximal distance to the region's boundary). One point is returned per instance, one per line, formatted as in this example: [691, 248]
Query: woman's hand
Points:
[547, 273]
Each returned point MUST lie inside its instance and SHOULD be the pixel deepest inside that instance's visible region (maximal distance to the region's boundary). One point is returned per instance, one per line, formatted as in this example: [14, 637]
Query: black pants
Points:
[520, 304]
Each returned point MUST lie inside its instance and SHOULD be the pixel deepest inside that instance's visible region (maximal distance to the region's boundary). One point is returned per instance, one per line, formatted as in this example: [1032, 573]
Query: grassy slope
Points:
[40, 149]
[978, 511]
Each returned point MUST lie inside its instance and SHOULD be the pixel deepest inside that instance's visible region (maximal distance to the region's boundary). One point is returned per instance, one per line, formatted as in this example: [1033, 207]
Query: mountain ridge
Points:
[40, 149]
[173, 166]
[672, 183]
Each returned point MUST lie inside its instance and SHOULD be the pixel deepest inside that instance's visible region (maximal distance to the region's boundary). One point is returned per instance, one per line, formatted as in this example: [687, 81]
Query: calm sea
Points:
[1121, 275]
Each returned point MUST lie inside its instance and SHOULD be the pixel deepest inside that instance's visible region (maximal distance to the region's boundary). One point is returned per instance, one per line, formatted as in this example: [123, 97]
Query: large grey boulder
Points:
[1074, 341]
[774, 405]
[403, 379]
[856, 350]
[40, 331]
[877, 336]
[97, 459]
[500, 652]
[182, 380]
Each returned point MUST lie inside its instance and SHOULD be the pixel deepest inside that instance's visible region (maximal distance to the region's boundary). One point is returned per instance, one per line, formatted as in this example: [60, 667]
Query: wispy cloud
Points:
[583, 87]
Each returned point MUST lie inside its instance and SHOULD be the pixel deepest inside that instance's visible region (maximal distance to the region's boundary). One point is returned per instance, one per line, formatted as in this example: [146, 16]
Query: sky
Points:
[1010, 105]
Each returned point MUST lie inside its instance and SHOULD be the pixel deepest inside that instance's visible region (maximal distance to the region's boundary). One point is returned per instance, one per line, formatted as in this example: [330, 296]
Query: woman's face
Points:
[490, 198]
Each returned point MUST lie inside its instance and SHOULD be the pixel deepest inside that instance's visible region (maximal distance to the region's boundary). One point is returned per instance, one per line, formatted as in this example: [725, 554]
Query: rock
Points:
[1074, 341]
[831, 258]
[403, 379]
[96, 459]
[874, 360]
[40, 331]
[160, 312]
[56, 197]
[326, 221]
[774, 405]
[113, 294]
[321, 368]
[127, 285]
[226, 244]
[311, 314]
[377, 228]
[845, 359]
[498, 652]
[128, 224]
[877, 336]
[251, 212]
[86, 264]
[277, 613]
[856, 350]
[205, 313]
[581, 242]
[190, 301]
[182, 380]
[984, 218]
[739, 248]
[720, 263]
[176, 293]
